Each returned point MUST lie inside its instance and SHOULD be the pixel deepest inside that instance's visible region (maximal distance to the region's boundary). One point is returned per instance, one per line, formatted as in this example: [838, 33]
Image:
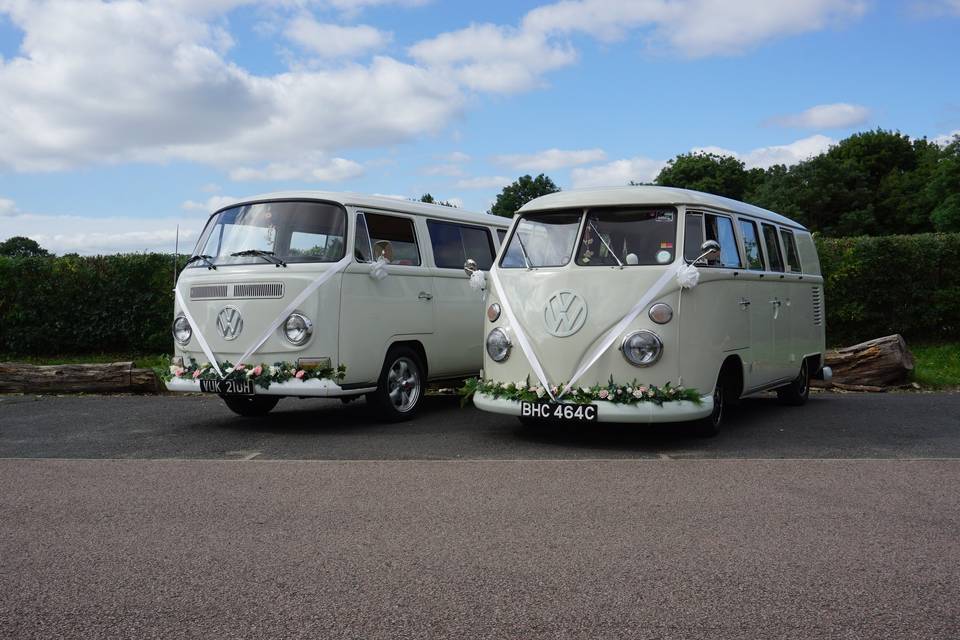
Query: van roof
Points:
[380, 203]
[649, 195]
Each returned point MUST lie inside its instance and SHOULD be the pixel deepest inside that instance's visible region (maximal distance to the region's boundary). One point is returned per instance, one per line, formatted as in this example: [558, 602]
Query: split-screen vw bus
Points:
[333, 295]
[657, 304]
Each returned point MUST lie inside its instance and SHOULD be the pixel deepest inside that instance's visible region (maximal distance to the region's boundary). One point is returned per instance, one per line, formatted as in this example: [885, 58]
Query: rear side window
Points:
[751, 245]
[790, 249]
[393, 238]
[453, 244]
[719, 228]
[772, 243]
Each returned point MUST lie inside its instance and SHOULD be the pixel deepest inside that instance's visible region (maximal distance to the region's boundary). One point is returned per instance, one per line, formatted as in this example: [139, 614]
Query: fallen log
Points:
[871, 365]
[115, 377]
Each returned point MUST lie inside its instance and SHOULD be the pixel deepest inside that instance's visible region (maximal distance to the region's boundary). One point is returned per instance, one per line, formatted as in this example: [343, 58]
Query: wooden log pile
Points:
[115, 377]
[875, 365]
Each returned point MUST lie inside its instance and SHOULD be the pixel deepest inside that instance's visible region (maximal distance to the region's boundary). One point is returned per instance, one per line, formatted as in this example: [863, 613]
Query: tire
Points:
[251, 406]
[709, 426]
[796, 393]
[400, 387]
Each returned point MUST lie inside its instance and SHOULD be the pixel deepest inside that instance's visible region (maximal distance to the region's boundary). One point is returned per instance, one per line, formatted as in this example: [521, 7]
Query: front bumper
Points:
[295, 388]
[643, 413]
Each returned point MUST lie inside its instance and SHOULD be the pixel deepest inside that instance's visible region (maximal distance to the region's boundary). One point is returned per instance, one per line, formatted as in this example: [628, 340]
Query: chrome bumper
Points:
[643, 413]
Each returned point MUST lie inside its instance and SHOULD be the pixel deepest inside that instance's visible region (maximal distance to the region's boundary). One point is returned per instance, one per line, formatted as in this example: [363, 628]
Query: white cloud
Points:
[617, 173]
[551, 159]
[448, 169]
[335, 41]
[456, 156]
[89, 235]
[7, 207]
[212, 204]
[333, 170]
[826, 116]
[943, 140]
[788, 154]
[484, 182]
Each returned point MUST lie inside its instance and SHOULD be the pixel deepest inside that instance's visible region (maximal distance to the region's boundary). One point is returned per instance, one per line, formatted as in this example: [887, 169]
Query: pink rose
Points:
[179, 372]
[300, 374]
[196, 374]
[239, 367]
[603, 394]
[257, 370]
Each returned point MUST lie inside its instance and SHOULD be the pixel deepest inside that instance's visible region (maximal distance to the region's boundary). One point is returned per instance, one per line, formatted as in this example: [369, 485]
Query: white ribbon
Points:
[196, 330]
[525, 345]
[309, 289]
[378, 269]
[687, 277]
[478, 281]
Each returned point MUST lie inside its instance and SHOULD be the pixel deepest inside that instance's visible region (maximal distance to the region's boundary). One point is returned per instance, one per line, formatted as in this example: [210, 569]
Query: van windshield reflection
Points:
[542, 240]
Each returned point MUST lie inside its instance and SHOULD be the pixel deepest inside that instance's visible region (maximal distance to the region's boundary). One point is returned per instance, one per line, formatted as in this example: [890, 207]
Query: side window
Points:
[790, 248]
[751, 244]
[720, 228]
[361, 246]
[454, 243]
[772, 243]
[393, 238]
[692, 236]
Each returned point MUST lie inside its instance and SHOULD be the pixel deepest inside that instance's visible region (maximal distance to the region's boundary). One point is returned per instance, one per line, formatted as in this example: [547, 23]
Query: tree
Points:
[520, 192]
[21, 247]
[707, 172]
[429, 199]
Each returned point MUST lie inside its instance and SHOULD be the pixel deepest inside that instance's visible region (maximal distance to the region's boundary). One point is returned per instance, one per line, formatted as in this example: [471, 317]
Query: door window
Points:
[719, 228]
[751, 245]
[790, 248]
[453, 244]
[393, 238]
[361, 245]
[772, 243]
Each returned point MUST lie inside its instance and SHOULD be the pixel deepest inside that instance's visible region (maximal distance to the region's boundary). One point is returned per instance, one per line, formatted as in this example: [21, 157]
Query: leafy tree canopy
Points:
[520, 192]
[708, 172]
[429, 199]
[21, 247]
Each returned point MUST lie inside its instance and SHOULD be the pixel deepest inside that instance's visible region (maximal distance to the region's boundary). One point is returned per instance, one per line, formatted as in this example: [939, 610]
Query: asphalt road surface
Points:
[167, 517]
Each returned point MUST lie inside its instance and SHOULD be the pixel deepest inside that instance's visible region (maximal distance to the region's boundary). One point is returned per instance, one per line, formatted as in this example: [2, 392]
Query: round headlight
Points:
[298, 328]
[661, 313]
[642, 348]
[493, 312]
[498, 345]
[182, 332]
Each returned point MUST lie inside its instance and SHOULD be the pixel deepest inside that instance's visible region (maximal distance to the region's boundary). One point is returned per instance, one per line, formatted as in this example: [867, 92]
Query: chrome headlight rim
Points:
[652, 361]
[174, 329]
[307, 329]
[507, 346]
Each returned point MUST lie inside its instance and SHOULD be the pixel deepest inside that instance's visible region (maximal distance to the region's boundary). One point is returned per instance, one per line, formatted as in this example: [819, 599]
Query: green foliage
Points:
[429, 199]
[876, 286]
[632, 393]
[708, 172]
[520, 192]
[74, 305]
[936, 365]
[21, 247]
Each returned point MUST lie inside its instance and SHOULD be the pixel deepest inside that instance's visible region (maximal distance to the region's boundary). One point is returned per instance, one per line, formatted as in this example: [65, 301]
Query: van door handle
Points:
[776, 302]
[744, 303]
[425, 295]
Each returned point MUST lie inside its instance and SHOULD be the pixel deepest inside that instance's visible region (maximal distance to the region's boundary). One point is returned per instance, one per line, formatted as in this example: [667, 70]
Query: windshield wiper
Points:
[207, 259]
[269, 256]
[603, 240]
[523, 251]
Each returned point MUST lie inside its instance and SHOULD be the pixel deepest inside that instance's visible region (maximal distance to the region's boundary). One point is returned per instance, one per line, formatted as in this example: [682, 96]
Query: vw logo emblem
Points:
[565, 313]
[229, 323]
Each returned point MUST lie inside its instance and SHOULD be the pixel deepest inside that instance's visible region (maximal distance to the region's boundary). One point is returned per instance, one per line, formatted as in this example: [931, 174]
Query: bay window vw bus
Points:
[649, 304]
[315, 294]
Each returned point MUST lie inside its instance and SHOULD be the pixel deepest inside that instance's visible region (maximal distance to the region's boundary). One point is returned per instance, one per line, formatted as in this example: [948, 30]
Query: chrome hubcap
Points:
[403, 384]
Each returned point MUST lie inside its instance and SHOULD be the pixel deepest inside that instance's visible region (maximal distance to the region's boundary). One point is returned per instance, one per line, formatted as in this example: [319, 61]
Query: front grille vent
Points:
[207, 291]
[263, 290]
[817, 306]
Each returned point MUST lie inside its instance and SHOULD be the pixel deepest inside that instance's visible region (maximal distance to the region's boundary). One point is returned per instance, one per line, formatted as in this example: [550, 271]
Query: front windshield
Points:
[542, 240]
[621, 237]
[291, 231]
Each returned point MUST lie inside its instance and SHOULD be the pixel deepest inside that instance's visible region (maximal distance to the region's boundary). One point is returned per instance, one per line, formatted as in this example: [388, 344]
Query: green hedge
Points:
[123, 303]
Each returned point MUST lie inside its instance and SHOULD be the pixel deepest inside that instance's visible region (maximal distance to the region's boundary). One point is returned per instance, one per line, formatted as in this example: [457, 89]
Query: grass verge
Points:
[936, 365]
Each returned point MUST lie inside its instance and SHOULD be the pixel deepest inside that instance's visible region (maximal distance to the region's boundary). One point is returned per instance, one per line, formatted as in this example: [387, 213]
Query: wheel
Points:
[400, 386]
[251, 406]
[797, 392]
[710, 426]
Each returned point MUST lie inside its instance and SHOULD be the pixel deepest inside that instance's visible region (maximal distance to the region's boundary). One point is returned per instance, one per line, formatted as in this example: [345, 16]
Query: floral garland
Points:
[263, 375]
[633, 393]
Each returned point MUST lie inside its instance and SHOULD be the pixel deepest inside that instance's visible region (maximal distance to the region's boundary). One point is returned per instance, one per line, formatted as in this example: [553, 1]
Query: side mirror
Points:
[470, 266]
[709, 247]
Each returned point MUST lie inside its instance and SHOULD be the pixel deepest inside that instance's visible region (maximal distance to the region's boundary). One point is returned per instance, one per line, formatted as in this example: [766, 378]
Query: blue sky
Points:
[120, 120]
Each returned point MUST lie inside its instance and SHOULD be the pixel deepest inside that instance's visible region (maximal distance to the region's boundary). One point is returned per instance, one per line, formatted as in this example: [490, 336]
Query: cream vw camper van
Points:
[649, 304]
[331, 295]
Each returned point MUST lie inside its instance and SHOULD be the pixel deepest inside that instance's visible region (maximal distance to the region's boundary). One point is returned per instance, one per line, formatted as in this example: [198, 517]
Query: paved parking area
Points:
[160, 517]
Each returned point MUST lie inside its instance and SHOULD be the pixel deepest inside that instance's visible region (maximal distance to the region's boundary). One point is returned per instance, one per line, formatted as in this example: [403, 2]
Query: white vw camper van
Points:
[649, 304]
[332, 295]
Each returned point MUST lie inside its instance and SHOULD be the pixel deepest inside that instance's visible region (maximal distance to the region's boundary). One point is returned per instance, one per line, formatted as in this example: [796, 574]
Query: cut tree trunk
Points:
[879, 363]
[116, 377]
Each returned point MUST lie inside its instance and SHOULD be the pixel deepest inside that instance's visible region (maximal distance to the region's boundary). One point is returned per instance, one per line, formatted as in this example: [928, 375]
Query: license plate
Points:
[565, 412]
[227, 387]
